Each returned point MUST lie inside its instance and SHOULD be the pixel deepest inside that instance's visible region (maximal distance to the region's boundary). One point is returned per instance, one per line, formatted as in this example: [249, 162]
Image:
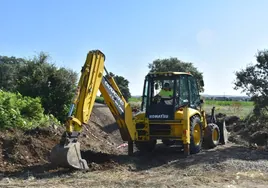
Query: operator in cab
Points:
[165, 95]
[166, 91]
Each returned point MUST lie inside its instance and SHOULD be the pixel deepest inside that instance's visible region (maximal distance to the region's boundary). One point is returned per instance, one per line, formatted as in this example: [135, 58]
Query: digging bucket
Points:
[68, 156]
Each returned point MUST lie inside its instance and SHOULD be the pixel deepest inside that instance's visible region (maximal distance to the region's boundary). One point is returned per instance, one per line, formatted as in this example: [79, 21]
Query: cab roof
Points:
[169, 73]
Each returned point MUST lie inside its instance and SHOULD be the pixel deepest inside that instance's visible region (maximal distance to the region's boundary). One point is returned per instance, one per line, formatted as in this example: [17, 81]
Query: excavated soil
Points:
[30, 150]
[24, 160]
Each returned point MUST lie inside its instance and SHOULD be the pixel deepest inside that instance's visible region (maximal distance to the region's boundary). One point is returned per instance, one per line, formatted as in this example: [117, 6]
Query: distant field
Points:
[238, 108]
[134, 99]
[228, 103]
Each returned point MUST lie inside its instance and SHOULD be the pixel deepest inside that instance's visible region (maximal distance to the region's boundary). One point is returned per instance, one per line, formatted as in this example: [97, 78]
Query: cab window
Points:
[194, 92]
[183, 89]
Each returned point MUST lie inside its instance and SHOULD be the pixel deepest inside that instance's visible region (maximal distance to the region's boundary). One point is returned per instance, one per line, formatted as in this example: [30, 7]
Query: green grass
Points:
[230, 108]
[135, 99]
[130, 100]
[241, 112]
[228, 103]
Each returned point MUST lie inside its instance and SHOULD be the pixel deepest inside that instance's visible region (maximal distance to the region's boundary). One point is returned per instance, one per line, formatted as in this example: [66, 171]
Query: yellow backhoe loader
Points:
[171, 111]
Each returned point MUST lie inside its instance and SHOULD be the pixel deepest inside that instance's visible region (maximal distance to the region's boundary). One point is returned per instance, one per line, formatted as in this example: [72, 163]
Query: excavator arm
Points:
[67, 152]
[119, 107]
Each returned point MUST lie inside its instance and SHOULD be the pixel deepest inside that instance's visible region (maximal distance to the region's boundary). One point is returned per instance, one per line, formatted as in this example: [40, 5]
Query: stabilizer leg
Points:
[130, 148]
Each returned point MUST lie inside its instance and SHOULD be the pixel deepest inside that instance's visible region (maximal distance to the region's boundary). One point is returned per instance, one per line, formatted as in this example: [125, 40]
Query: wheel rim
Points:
[197, 135]
[215, 135]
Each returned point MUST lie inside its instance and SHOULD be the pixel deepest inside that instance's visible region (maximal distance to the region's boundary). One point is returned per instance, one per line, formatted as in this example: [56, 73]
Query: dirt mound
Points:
[99, 141]
[20, 149]
[248, 132]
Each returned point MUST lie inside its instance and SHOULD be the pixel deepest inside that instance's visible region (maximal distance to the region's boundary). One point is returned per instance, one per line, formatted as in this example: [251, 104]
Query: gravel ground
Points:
[227, 166]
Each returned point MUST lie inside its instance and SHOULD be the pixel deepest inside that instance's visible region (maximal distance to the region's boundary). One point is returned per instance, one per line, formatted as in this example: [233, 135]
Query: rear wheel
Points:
[196, 135]
[145, 146]
[212, 135]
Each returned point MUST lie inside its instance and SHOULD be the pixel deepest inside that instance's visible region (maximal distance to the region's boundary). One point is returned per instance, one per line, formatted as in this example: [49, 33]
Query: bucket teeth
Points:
[68, 156]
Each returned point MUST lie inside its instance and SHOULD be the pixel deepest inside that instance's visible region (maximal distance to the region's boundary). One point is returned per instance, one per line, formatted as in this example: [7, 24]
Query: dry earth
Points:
[24, 161]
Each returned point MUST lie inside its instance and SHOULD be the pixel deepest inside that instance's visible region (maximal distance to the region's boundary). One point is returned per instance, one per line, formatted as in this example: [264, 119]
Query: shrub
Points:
[99, 100]
[22, 112]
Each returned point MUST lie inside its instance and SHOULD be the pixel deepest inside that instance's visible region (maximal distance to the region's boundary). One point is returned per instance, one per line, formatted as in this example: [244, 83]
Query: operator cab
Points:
[165, 93]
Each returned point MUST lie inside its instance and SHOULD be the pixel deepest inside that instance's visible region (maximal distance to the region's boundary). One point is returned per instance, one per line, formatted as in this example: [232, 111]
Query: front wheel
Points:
[212, 135]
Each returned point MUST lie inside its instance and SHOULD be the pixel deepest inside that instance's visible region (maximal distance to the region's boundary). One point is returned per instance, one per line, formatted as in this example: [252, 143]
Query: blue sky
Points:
[219, 37]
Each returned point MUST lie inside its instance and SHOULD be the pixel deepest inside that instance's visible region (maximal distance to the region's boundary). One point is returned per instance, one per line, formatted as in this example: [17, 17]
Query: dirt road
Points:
[230, 165]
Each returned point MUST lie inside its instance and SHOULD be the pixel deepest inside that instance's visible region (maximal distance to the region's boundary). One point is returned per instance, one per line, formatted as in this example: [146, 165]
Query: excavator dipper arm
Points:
[67, 152]
[119, 107]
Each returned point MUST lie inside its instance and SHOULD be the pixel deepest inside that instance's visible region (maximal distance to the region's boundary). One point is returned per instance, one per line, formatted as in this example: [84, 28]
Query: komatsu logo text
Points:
[160, 116]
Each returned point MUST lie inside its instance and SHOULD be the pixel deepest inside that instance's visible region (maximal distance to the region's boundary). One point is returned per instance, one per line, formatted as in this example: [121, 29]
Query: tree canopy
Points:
[38, 77]
[254, 81]
[176, 65]
[123, 85]
[8, 72]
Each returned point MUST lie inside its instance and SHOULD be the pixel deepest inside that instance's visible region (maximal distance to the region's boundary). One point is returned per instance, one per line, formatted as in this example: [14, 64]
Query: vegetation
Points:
[231, 108]
[135, 99]
[229, 103]
[99, 100]
[254, 80]
[38, 77]
[22, 112]
[122, 84]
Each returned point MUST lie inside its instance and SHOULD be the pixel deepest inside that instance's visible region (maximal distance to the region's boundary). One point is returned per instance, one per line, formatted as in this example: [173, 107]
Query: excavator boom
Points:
[67, 152]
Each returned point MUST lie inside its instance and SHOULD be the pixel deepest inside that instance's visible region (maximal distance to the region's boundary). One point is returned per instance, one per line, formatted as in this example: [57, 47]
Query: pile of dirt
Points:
[25, 149]
[21, 149]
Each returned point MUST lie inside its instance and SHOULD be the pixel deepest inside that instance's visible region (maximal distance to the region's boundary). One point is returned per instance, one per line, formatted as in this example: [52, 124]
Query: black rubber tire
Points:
[145, 146]
[223, 133]
[208, 138]
[195, 148]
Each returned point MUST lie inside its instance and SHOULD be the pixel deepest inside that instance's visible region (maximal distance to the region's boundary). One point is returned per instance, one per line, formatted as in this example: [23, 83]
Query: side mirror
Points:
[156, 86]
[201, 101]
[202, 83]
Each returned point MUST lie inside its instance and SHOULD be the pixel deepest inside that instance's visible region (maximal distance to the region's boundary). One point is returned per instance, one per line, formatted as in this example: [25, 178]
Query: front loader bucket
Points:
[68, 156]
